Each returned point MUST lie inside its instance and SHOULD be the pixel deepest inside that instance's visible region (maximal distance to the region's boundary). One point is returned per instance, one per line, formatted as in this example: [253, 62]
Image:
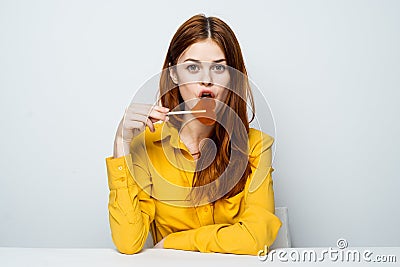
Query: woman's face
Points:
[201, 71]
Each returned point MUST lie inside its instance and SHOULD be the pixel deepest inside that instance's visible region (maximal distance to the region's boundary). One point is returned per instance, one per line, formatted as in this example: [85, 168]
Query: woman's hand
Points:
[137, 116]
[160, 244]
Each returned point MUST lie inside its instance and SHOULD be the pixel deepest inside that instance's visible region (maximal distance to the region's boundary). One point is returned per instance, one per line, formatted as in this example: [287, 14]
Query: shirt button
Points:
[120, 168]
[205, 209]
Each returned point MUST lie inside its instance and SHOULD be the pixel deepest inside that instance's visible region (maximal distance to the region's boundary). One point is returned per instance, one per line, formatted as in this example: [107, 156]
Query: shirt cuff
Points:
[180, 240]
[118, 171]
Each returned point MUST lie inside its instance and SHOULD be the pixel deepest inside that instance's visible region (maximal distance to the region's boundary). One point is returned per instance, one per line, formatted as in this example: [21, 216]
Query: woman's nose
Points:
[206, 84]
[206, 79]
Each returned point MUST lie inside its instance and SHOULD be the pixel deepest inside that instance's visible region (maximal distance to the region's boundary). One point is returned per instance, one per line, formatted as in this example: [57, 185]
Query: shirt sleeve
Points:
[131, 209]
[257, 226]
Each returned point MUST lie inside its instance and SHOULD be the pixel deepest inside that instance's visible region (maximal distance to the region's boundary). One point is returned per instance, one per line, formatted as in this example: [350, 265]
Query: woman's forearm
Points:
[129, 223]
[129, 226]
[121, 148]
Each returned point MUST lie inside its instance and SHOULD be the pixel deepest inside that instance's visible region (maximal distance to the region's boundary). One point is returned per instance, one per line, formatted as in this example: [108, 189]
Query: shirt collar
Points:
[169, 132]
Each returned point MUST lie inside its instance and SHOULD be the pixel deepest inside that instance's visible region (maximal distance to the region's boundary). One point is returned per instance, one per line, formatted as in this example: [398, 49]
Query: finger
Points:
[140, 122]
[141, 106]
[150, 125]
[161, 115]
[140, 125]
[139, 109]
[132, 125]
[153, 114]
[161, 108]
[153, 120]
[136, 117]
[156, 120]
[142, 111]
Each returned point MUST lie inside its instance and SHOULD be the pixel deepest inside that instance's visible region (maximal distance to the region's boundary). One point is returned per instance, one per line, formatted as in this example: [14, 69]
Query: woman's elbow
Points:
[262, 237]
[128, 250]
[127, 245]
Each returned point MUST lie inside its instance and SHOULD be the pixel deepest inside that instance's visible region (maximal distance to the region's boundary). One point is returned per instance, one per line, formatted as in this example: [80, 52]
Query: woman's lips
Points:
[208, 118]
[207, 92]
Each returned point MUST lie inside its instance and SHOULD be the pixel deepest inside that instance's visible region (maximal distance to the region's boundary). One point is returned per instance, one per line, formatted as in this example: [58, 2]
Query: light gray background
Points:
[329, 69]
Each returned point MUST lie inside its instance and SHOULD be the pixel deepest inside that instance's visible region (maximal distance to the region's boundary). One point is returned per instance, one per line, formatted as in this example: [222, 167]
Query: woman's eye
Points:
[193, 68]
[218, 68]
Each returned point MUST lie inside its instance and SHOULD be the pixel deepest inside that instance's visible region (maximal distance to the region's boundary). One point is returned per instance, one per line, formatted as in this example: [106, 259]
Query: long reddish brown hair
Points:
[231, 141]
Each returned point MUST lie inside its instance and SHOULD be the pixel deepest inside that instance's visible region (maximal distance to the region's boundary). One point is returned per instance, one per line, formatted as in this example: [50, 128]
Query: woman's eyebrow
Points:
[196, 60]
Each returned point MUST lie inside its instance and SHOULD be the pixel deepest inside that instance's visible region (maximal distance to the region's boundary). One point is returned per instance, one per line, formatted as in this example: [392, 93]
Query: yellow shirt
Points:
[148, 194]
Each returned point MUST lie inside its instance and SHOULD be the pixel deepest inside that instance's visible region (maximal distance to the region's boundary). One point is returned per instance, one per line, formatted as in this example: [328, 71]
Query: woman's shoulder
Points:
[259, 141]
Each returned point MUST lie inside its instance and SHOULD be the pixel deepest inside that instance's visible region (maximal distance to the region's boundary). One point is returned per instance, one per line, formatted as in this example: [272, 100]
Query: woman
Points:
[199, 181]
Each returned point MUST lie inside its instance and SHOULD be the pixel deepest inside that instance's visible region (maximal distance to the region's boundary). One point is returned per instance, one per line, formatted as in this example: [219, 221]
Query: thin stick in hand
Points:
[186, 112]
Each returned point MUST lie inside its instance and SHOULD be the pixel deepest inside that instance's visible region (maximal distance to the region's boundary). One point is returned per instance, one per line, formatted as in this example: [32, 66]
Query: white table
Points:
[35, 257]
